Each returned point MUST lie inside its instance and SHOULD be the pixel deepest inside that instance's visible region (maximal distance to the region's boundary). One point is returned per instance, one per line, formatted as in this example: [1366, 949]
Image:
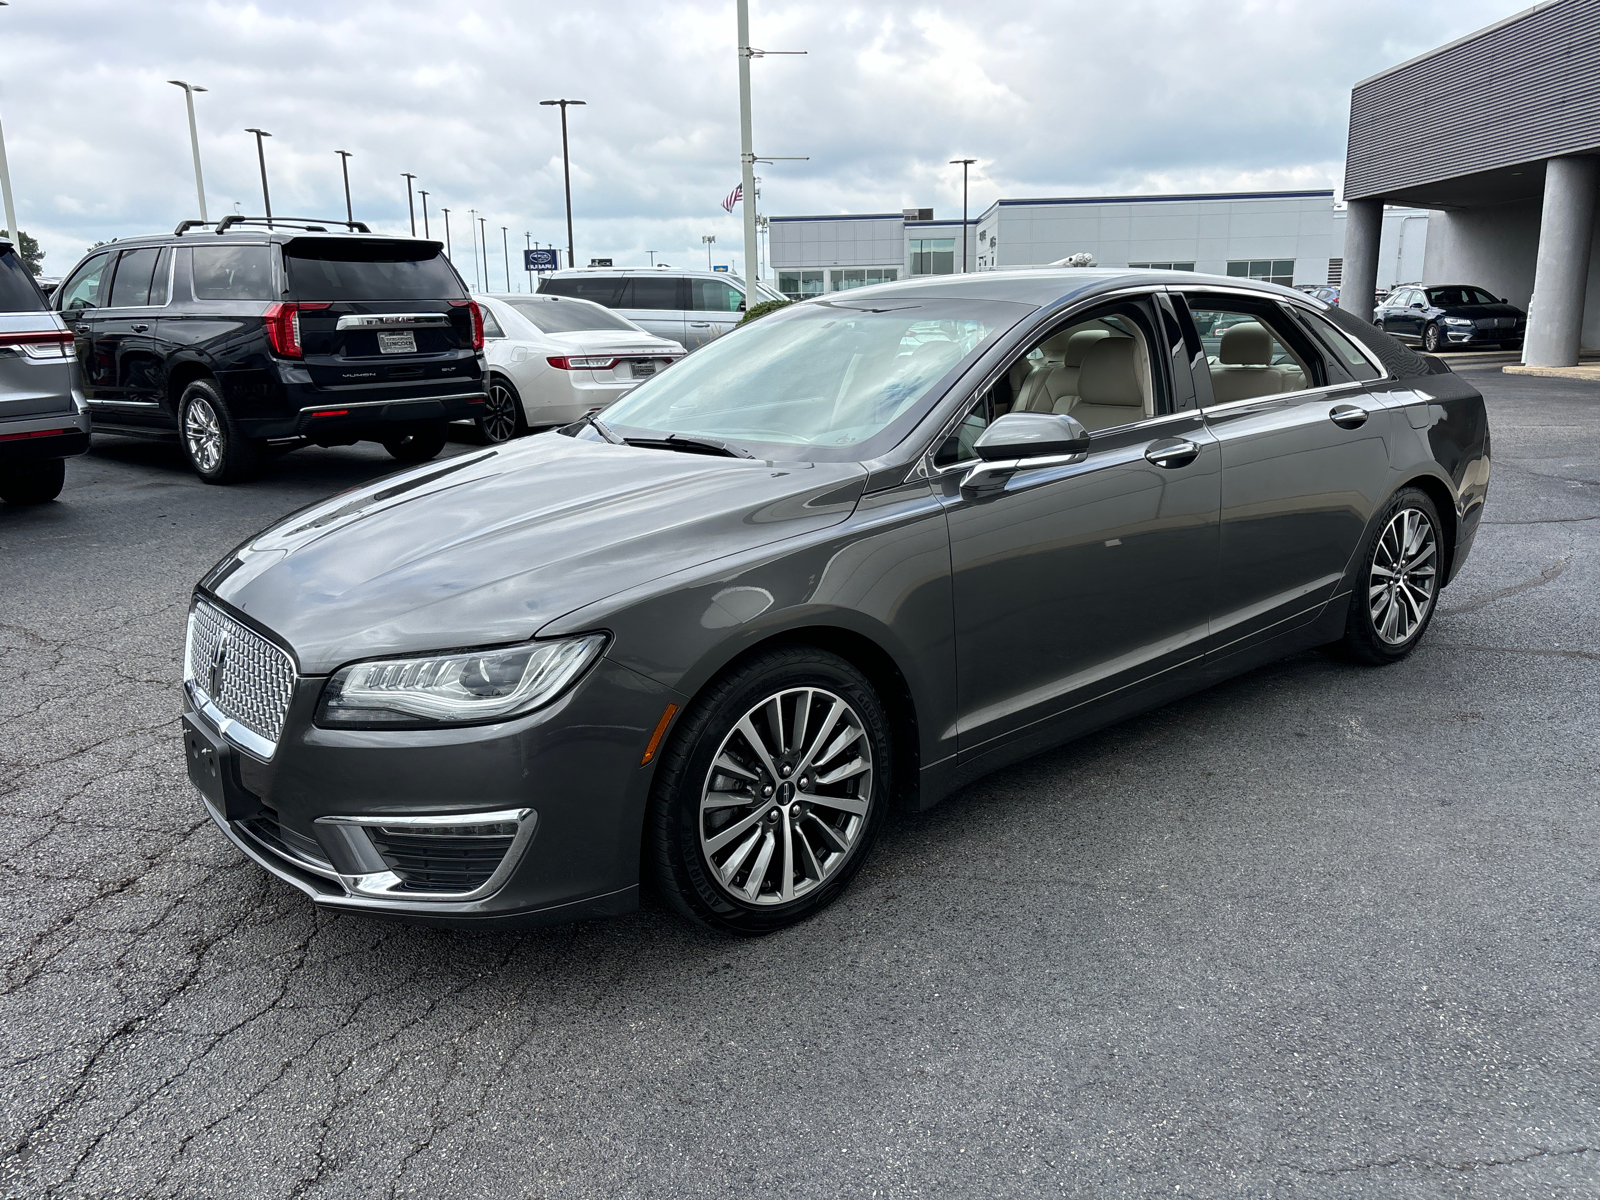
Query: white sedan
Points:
[554, 358]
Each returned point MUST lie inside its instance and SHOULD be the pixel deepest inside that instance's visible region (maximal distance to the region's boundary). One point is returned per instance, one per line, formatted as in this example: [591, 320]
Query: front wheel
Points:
[418, 446]
[1433, 339]
[33, 483]
[771, 792]
[1402, 572]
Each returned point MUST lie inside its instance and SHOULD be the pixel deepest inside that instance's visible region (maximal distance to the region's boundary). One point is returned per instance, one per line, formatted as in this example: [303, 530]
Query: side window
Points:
[491, 327]
[713, 295]
[958, 445]
[162, 277]
[233, 273]
[601, 289]
[1248, 354]
[83, 289]
[654, 292]
[131, 287]
[1344, 350]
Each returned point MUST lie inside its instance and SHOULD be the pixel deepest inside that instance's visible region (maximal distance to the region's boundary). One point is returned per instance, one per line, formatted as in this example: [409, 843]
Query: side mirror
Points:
[1503, 300]
[1031, 435]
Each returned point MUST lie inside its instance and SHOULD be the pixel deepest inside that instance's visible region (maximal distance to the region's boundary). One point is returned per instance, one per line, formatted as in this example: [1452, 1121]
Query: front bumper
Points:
[568, 776]
[1459, 336]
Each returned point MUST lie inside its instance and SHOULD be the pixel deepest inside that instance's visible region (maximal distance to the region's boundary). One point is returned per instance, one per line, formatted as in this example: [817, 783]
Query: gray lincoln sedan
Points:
[841, 560]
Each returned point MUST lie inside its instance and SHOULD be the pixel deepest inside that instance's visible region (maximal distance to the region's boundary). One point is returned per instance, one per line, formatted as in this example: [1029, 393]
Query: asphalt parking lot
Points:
[1322, 931]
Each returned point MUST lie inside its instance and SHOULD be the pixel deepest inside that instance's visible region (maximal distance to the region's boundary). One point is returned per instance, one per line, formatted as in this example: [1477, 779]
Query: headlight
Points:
[1456, 320]
[471, 685]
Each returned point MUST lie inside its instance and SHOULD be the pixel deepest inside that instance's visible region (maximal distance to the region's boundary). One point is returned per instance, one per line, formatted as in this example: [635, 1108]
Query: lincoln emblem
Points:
[219, 657]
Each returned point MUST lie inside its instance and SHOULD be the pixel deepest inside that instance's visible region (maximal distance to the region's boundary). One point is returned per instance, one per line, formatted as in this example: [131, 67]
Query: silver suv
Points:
[690, 307]
[43, 417]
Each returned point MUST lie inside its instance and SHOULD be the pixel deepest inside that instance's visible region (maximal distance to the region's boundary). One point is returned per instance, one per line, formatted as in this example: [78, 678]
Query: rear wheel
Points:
[419, 445]
[771, 792]
[33, 483]
[212, 441]
[1402, 571]
[1433, 339]
[501, 419]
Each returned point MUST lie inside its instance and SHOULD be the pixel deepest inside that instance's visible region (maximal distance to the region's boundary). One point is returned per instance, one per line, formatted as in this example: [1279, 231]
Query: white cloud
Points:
[1053, 98]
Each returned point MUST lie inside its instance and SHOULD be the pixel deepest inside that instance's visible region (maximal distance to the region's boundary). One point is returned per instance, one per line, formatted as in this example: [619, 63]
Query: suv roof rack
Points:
[315, 224]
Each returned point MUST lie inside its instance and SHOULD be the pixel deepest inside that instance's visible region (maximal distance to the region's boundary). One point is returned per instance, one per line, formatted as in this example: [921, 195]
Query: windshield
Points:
[823, 375]
[349, 269]
[566, 315]
[18, 292]
[1447, 297]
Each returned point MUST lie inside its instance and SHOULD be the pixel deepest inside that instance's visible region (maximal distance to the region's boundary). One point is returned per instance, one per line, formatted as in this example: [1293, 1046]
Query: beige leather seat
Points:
[1245, 371]
[1111, 384]
[1053, 384]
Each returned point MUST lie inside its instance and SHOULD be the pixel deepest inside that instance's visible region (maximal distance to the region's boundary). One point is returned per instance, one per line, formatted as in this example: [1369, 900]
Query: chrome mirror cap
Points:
[1031, 435]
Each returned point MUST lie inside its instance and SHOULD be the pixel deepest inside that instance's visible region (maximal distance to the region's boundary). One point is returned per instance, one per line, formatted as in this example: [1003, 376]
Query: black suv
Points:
[1438, 318]
[248, 336]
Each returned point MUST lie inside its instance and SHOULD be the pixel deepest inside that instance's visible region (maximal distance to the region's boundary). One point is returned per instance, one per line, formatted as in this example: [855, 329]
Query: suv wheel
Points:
[1433, 339]
[33, 483]
[502, 417]
[771, 792]
[216, 449]
[419, 446]
[1402, 571]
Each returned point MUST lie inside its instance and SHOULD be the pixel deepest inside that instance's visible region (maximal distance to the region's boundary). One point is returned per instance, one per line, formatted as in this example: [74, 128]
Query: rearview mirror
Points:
[1031, 435]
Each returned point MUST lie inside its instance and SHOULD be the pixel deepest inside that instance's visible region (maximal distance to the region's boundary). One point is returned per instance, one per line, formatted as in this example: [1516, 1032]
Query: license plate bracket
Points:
[214, 771]
[397, 342]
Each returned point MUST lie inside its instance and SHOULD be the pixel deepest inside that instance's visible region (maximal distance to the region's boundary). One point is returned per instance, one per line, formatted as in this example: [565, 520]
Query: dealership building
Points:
[1498, 135]
[1291, 237]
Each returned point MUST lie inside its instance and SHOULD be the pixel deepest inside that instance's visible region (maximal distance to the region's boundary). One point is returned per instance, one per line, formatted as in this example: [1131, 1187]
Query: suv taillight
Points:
[477, 320]
[48, 343]
[283, 327]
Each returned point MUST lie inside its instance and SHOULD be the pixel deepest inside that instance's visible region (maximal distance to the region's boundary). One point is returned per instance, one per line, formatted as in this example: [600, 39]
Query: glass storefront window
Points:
[797, 285]
[1268, 270]
[854, 277]
[932, 256]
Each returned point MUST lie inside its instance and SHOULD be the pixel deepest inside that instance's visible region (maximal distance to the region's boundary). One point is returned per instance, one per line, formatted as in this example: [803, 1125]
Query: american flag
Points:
[733, 197]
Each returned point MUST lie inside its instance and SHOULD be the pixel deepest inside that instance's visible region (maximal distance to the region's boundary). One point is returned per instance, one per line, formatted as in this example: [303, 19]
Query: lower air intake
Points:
[446, 861]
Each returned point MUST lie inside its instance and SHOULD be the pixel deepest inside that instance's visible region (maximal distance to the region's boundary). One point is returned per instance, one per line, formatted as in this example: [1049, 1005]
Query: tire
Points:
[705, 858]
[502, 417]
[419, 446]
[1433, 339]
[1389, 613]
[216, 449]
[33, 483]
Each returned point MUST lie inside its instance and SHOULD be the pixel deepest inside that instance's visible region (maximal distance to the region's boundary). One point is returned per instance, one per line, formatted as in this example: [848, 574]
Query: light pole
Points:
[505, 245]
[527, 240]
[261, 154]
[447, 253]
[566, 171]
[747, 155]
[189, 89]
[344, 166]
[710, 240]
[483, 241]
[424, 196]
[411, 201]
[652, 255]
[472, 228]
[965, 163]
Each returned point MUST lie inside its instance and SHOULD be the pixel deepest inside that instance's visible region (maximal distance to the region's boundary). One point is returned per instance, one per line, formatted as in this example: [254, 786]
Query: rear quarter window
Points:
[337, 269]
[233, 273]
[601, 289]
[18, 292]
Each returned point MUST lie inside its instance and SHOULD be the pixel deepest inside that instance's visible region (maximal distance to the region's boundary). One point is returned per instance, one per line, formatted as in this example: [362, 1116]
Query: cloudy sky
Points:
[1054, 97]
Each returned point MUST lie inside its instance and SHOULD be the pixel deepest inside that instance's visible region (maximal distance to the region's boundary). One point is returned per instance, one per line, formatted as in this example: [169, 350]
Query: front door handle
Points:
[1348, 416]
[699, 324]
[1172, 452]
[139, 328]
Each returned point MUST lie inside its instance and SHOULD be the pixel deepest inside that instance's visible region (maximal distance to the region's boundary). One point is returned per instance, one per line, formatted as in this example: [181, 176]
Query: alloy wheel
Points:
[786, 797]
[1400, 589]
[202, 431]
[499, 420]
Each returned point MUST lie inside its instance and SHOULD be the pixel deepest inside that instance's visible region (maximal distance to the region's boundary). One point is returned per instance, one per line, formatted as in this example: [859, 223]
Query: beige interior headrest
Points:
[1078, 344]
[1246, 345]
[1110, 374]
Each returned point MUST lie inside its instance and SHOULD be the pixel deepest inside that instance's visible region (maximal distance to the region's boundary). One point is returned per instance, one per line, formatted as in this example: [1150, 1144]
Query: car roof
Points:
[570, 272]
[1051, 285]
[252, 235]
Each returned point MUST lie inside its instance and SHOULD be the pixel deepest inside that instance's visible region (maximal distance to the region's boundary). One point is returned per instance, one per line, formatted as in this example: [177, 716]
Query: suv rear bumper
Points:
[40, 439]
[319, 418]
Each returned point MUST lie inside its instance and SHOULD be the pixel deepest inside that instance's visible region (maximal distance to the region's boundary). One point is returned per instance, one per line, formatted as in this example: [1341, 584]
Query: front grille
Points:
[1496, 322]
[428, 863]
[249, 679]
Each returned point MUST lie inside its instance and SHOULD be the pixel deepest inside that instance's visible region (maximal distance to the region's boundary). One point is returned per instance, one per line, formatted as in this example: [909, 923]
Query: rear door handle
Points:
[139, 328]
[1172, 452]
[1348, 416]
[699, 324]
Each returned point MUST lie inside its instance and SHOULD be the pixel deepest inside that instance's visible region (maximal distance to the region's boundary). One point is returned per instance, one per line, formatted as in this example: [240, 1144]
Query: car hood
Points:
[491, 546]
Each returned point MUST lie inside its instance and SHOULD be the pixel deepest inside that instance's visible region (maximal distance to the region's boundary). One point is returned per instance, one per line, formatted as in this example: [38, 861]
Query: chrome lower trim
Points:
[391, 320]
[385, 403]
[387, 885]
[241, 736]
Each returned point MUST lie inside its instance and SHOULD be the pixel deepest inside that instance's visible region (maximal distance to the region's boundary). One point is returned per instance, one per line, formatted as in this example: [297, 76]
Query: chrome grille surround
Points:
[253, 678]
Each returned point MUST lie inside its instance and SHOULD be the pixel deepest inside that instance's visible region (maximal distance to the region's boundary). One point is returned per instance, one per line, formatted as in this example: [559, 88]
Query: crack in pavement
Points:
[1465, 1164]
[1590, 655]
[1549, 575]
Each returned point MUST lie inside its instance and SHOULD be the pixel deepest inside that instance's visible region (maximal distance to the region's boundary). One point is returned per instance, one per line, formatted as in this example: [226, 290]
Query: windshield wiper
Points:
[602, 429]
[693, 445]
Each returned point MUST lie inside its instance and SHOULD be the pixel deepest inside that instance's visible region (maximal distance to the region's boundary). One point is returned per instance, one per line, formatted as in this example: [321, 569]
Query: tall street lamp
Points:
[344, 166]
[483, 241]
[424, 196]
[527, 239]
[505, 245]
[472, 229]
[566, 170]
[261, 155]
[710, 240]
[411, 201]
[447, 253]
[965, 163]
[189, 89]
